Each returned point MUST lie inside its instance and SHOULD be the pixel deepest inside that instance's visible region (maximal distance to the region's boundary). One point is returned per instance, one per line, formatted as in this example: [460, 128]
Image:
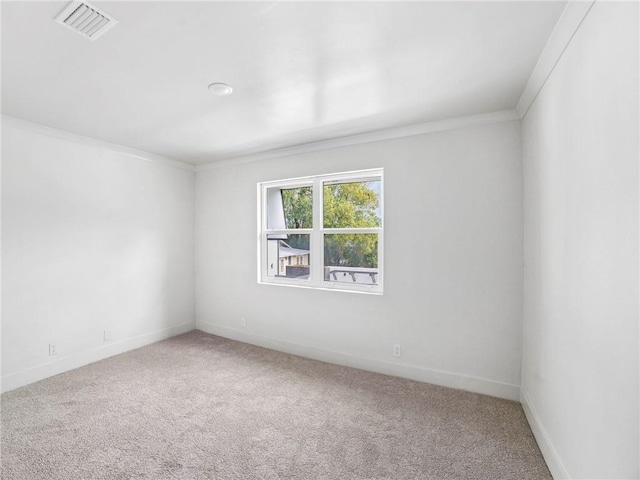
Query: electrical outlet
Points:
[243, 322]
[396, 350]
[107, 335]
[53, 350]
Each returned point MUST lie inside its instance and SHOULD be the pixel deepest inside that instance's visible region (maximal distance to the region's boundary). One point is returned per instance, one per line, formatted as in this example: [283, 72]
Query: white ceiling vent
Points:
[85, 19]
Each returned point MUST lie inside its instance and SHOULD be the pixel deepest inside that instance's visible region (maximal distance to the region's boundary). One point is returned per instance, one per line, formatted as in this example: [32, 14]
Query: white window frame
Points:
[316, 234]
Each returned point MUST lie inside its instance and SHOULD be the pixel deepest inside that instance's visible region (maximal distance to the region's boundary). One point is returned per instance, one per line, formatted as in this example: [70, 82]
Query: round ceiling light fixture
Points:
[220, 89]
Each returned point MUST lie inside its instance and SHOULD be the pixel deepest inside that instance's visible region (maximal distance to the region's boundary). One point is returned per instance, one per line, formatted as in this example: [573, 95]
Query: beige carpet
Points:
[202, 407]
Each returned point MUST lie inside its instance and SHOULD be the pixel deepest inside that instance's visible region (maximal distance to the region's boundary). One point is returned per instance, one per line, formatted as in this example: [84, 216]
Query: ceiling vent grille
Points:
[85, 19]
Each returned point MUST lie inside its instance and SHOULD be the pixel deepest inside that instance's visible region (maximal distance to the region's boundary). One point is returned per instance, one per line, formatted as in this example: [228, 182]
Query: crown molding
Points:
[388, 134]
[568, 24]
[13, 122]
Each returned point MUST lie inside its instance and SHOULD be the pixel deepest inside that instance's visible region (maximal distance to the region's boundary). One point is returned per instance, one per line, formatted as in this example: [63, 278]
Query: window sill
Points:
[338, 288]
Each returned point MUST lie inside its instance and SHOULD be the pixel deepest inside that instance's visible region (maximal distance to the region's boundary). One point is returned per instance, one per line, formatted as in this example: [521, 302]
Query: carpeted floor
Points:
[199, 406]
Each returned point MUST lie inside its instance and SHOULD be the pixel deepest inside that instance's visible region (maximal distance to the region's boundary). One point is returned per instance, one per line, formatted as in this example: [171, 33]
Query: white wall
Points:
[92, 239]
[580, 142]
[453, 262]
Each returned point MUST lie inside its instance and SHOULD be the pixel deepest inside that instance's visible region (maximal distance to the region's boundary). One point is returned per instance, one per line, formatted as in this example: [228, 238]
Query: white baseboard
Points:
[76, 360]
[556, 467]
[437, 377]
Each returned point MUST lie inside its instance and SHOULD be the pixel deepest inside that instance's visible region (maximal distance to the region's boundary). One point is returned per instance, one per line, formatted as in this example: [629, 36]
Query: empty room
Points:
[334, 240]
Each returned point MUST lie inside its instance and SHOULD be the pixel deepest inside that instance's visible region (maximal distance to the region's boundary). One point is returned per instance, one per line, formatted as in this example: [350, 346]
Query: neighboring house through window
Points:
[324, 231]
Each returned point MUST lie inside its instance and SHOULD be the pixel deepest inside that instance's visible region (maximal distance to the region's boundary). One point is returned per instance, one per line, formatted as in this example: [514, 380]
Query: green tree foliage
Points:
[351, 205]
[298, 213]
[346, 205]
[298, 207]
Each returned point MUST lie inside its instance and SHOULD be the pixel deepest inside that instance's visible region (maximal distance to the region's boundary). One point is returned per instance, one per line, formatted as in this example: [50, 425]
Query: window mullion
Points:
[376, 230]
[289, 231]
[317, 248]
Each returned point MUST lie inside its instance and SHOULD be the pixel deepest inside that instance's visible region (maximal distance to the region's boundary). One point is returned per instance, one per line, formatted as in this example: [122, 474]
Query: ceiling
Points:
[302, 72]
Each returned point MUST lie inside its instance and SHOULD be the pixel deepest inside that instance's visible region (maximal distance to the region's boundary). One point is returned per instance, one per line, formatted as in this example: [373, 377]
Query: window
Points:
[324, 231]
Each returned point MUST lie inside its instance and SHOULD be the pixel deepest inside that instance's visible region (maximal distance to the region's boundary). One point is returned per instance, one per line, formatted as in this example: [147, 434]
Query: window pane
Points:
[351, 258]
[352, 205]
[289, 208]
[289, 258]
[275, 209]
[298, 207]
